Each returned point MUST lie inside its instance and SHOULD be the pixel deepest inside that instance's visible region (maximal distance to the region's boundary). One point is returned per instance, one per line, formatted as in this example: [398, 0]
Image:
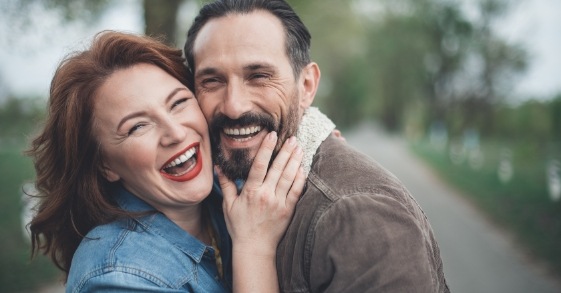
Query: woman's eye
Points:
[134, 129]
[179, 102]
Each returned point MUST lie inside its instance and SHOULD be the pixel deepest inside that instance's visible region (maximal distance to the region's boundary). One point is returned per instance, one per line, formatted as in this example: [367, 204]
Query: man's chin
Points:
[236, 164]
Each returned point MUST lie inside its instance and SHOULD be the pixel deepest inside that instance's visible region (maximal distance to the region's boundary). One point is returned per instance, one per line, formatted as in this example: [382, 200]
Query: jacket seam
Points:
[125, 270]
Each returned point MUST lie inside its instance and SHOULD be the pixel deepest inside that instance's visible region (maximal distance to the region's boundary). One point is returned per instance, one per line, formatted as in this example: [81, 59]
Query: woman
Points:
[125, 173]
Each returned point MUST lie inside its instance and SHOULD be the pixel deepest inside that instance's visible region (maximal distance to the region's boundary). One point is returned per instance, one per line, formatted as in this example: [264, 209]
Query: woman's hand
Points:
[258, 217]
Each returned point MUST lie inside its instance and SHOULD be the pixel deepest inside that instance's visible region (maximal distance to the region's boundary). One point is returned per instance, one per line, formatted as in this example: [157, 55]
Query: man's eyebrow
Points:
[206, 71]
[261, 65]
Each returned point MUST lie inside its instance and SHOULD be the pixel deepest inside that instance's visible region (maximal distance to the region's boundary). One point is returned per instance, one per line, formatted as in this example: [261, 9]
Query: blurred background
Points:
[468, 91]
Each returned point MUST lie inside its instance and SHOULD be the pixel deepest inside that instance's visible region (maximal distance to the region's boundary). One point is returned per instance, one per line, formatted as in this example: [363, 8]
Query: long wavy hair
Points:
[74, 195]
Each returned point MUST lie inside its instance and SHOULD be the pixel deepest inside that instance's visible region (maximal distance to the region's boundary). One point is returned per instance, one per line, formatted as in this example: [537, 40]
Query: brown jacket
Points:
[357, 229]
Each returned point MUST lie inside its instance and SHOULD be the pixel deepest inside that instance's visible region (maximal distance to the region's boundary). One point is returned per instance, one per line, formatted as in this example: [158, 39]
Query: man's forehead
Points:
[253, 39]
[252, 32]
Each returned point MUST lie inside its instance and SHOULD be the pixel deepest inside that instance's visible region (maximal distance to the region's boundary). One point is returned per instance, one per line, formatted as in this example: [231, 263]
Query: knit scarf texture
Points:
[314, 128]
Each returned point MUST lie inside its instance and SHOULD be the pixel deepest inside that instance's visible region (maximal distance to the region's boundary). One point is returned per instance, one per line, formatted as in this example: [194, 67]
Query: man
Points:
[356, 227]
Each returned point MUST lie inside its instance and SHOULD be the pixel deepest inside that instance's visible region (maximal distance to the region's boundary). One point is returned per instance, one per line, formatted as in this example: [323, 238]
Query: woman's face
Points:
[154, 137]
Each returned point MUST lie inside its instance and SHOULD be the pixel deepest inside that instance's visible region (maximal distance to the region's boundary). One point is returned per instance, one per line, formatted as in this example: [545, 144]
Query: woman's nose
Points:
[173, 132]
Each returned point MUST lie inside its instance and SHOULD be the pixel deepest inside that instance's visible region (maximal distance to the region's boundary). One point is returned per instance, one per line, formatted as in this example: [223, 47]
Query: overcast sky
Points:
[28, 65]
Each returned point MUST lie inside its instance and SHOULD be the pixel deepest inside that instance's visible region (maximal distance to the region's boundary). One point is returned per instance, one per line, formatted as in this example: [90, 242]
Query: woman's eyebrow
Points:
[140, 113]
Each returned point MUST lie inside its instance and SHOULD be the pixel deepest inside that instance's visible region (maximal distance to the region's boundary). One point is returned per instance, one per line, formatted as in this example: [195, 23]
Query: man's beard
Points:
[236, 163]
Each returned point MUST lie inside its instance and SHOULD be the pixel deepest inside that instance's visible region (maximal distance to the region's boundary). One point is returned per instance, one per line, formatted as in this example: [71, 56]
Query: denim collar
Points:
[158, 223]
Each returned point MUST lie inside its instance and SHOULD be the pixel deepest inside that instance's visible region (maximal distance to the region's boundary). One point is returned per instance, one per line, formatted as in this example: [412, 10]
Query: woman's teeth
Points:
[183, 158]
[242, 131]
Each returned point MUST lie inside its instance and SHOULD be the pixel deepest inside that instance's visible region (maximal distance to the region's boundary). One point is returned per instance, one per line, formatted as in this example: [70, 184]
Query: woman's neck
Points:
[192, 220]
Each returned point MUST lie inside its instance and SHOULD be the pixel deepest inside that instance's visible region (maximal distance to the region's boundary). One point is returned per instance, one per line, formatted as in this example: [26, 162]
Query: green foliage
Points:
[17, 271]
[423, 51]
[396, 61]
[522, 205]
[538, 121]
[19, 117]
[555, 116]
[348, 103]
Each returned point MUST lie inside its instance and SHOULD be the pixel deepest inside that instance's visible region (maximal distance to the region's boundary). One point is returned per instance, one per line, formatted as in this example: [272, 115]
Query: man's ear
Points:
[309, 80]
[109, 174]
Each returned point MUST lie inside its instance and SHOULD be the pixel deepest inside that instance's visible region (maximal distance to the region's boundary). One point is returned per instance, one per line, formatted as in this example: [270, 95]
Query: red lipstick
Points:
[191, 173]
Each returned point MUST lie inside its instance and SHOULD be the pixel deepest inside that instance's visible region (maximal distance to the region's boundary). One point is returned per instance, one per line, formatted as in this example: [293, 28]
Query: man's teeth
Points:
[242, 131]
[183, 158]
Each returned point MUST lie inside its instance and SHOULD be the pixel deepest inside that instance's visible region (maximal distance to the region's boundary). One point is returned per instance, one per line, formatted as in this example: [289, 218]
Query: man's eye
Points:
[209, 81]
[260, 76]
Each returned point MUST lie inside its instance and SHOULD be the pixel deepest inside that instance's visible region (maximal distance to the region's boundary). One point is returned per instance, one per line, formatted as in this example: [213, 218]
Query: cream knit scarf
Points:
[314, 128]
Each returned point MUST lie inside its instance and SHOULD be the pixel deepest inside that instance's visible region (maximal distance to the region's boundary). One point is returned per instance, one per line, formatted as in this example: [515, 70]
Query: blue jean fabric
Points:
[150, 254]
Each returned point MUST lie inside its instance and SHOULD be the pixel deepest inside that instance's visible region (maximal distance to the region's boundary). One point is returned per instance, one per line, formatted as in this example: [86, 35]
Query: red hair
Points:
[75, 196]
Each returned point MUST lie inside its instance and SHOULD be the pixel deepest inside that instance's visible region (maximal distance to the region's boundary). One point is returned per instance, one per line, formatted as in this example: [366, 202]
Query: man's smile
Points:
[242, 134]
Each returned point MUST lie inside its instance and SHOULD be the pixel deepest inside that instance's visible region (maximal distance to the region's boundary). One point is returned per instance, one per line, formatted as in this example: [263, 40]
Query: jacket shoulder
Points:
[122, 247]
[339, 170]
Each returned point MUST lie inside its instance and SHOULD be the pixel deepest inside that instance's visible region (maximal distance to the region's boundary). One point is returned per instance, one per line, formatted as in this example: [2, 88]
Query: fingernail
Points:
[291, 140]
[273, 135]
[298, 150]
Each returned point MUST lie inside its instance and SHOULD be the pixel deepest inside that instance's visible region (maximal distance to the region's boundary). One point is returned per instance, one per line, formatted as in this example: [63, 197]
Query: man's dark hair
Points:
[297, 35]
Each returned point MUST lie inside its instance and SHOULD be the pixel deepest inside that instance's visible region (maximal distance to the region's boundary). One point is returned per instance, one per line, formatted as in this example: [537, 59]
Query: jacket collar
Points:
[313, 129]
[158, 223]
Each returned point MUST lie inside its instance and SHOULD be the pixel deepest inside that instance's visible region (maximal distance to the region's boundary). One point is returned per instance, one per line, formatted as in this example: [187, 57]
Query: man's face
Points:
[245, 86]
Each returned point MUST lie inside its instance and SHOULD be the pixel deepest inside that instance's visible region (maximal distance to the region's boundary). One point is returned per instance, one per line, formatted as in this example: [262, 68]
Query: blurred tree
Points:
[448, 34]
[338, 46]
[395, 55]
[556, 118]
[19, 116]
[347, 103]
[160, 17]
[70, 9]
[499, 62]
[337, 34]
[429, 51]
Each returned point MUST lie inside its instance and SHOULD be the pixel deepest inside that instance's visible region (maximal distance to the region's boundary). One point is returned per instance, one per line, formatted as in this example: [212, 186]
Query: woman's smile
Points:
[184, 166]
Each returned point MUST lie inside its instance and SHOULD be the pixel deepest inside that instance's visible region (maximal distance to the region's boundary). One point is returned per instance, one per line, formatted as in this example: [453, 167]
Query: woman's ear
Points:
[109, 174]
[309, 80]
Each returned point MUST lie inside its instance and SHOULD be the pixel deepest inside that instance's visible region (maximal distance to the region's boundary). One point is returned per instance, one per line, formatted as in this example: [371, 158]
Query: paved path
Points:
[477, 256]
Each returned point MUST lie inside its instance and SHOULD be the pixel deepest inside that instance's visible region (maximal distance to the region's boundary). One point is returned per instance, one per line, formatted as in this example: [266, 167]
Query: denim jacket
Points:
[150, 254]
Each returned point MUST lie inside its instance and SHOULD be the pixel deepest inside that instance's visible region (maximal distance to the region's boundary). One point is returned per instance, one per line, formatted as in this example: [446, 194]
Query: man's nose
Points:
[236, 101]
